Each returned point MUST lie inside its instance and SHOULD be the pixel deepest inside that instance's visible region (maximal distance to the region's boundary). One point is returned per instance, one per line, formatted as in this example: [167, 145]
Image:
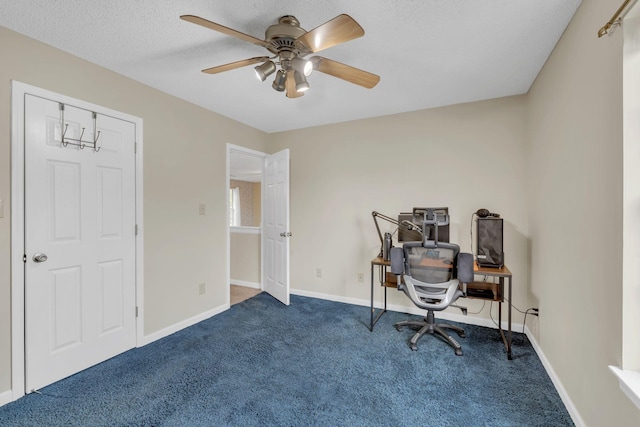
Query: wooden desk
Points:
[482, 290]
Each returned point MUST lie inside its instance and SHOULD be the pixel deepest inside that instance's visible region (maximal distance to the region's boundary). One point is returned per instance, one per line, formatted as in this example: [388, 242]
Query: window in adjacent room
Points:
[245, 203]
[234, 207]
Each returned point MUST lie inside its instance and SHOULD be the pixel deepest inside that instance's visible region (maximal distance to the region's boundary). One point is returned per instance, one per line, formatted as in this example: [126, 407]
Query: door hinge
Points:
[136, 229]
[136, 311]
[24, 257]
[135, 147]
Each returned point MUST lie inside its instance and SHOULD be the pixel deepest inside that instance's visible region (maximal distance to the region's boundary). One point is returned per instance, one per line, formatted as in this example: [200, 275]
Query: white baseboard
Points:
[568, 403]
[470, 320]
[346, 300]
[184, 324]
[6, 397]
[245, 283]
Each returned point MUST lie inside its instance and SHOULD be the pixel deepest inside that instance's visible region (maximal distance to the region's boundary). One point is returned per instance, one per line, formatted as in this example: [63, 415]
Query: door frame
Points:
[255, 153]
[18, 92]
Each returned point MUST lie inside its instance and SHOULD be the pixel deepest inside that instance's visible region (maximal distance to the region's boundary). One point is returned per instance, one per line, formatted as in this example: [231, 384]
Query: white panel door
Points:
[276, 225]
[79, 213]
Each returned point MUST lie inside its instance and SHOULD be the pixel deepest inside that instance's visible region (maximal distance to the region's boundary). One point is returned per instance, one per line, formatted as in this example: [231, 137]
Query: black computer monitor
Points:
[406, 233]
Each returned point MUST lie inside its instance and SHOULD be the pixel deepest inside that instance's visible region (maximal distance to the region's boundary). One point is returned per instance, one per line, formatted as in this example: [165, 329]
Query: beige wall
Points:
[245, 257]
[574, 153]
[184, 165]
[465, 157]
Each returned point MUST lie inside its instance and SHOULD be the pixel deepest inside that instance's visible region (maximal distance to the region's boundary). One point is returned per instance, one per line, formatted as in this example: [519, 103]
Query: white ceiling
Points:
[428, 53]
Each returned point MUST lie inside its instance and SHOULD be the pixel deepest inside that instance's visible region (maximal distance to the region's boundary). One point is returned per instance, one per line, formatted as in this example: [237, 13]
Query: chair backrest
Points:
[431, 264]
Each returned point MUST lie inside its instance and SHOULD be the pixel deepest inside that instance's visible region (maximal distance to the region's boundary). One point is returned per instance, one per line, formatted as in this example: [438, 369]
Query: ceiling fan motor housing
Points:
[282, 37]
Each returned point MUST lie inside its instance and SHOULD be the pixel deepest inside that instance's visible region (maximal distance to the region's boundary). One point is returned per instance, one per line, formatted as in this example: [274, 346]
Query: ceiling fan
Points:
[290, 45]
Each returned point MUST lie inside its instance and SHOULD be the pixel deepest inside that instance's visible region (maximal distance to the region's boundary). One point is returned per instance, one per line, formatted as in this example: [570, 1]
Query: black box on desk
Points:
[489, 242]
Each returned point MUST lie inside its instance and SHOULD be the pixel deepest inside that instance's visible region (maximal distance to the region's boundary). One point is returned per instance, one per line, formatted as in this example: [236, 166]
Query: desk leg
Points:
[371, 324]
[509, 332]
[506, 338]
[384, 278]
[502, 335]
[375, 318]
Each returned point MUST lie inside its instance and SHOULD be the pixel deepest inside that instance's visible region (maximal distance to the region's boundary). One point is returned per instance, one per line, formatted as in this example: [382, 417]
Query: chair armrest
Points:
[465, 267]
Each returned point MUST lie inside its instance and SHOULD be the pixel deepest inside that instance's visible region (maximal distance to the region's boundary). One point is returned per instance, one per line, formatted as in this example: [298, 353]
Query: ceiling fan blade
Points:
[339, 30]
[345, 72]
[222, 29]
[234, 65]
[291, 86]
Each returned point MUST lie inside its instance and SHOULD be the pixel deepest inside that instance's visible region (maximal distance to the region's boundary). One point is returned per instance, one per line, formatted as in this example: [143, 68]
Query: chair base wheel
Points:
[428, 326]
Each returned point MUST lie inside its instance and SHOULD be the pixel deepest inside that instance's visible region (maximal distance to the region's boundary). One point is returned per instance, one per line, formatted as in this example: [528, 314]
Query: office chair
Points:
[430, 273]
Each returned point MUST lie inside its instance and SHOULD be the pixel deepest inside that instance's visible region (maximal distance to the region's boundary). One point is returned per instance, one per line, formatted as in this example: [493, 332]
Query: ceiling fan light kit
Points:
[265, 70]
[301, 82]
[290, 44]
[303, 66]
[280, 81]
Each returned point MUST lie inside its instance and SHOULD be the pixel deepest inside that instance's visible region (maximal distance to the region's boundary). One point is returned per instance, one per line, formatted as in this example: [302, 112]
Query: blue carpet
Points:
[311, 363]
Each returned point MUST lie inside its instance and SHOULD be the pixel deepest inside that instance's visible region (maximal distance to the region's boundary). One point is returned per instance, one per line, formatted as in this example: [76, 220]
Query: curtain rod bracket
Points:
[616, 19]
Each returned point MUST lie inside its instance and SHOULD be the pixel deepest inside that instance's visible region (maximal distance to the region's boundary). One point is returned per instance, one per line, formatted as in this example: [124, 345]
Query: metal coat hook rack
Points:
[79, 142]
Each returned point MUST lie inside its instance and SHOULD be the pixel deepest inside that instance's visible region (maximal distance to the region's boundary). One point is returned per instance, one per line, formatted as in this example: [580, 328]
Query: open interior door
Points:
[276, 232]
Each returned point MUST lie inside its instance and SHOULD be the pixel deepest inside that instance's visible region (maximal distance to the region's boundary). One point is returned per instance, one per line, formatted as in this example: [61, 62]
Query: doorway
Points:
[273, 232]
[76, 249]
[245, 222]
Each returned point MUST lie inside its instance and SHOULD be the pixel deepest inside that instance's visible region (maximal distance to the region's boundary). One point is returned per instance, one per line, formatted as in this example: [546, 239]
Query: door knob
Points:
[288, 234]
[40, 258]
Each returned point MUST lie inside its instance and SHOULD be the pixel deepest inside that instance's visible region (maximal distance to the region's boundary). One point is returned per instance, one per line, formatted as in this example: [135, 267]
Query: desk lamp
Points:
[385, 243]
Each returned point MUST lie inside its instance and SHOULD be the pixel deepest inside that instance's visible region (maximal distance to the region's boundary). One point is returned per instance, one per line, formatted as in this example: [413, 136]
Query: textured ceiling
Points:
[428, 53]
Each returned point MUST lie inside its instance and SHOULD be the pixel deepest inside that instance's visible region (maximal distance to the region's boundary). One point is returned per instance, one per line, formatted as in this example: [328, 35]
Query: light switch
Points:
[202, 209]
[1, 209]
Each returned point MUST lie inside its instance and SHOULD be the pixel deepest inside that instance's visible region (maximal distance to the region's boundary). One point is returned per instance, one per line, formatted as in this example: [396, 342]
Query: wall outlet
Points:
[360, 277]
[202, 209]
[201, 289]
[318, 272]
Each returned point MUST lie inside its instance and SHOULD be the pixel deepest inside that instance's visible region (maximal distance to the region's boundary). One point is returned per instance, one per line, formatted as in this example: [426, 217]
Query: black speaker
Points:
[489, 242]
